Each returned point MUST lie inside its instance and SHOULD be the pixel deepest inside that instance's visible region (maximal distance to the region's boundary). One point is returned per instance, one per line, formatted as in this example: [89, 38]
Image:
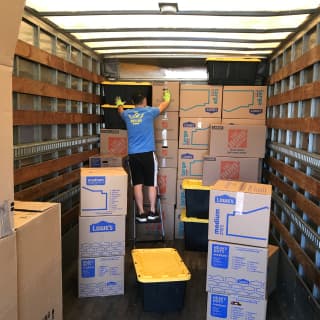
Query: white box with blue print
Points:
[239, 213]
[235, 308]
[235, 269]
[103, 191]
[99, 277]
[102, 236]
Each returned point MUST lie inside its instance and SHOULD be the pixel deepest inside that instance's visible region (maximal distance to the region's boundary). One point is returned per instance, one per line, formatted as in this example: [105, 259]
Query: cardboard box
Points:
[106, 160]
[178, 225]
[167, 153]
[190, 163]
[8, 278]
[244, 102]
[237, 206]
[195, 132]
[226, 168]
[114, 142]
[167, 179]
[166, 126]
[235, 269]
[150, 231]
[181, 196]
[238, 141]
[103, 191]
[157, 94]
[6, 134]
[197, 100]
[100, 277]
[273, 260]
[38, 231]
[102, 236]
[235, 308]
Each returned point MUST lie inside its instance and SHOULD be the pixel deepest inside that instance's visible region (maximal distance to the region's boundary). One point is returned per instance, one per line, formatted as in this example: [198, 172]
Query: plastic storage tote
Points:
[162, 277]
[195, 232]
[197, 198]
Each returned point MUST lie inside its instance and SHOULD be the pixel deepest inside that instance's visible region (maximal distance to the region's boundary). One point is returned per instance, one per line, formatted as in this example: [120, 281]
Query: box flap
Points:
[32, 206]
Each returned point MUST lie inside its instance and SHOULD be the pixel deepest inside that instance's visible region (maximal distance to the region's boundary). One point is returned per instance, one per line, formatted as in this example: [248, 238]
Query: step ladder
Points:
[160, 232]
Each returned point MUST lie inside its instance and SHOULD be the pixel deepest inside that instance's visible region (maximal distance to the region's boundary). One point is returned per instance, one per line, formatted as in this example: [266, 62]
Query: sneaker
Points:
[153, 216]
[141, 217]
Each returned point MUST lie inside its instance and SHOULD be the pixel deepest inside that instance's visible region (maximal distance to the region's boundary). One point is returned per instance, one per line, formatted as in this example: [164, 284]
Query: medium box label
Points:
[220, 256]
[88, 267]
[219, 306]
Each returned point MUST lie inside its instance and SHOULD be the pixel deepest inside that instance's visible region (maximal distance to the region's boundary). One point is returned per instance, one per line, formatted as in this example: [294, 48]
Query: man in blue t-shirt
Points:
[141, 149]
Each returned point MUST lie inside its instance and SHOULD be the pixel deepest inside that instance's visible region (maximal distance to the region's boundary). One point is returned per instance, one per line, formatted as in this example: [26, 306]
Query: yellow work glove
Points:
[166, 95]
[119, 102]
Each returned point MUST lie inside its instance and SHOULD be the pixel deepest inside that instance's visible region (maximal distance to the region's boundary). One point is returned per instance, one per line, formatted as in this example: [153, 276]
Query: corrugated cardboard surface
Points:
[181, 197]
[102, 236]
[237, 141]
[237, 206]
[10, 16]
[195, 132]
[244, 102]
[190, 163]
[166, 126]
[227, 168]
[157, 93]
[6, 132]
[39, 263]
[178, 225]
[167, 153]
[105, 160]
[167, 179]
[114, 142]
[200, 101]
[103, 191]
[232, 266]
[8, 278]
[103, 276]
[273, 260]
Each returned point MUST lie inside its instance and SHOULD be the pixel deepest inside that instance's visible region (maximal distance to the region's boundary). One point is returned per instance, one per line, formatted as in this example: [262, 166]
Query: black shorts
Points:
[144, 168]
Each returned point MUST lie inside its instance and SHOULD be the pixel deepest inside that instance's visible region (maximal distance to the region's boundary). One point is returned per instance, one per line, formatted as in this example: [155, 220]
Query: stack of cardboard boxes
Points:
[238, 143]
[102, 231]
[238, 250]
[200, 107]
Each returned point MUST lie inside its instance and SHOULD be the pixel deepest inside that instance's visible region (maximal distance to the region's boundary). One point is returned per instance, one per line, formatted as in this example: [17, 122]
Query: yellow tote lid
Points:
[194, 184]
[184, 218]
[159, 265]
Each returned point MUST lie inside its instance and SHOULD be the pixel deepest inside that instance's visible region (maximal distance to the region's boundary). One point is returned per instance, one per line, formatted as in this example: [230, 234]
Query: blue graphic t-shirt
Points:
[139, 122]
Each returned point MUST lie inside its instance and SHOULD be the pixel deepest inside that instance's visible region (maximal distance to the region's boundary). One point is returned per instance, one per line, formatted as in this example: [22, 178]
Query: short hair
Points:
[138, 98]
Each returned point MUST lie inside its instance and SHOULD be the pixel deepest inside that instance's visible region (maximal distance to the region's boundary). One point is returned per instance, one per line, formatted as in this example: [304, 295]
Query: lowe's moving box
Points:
[152, 231]
[157, 94]
[239, 212]
[103, 191]
[166, 126]
[167, 153]
[190, 163]
[226, 168]
[244, 102]
[237, 141]
[233, 307]
[105, 160]
[197, 100]
[38, 231]
[102, 276]
[235, 269]
[181, 196]
[8, 278]
[194, 133]
[114, 142]
[101, 236]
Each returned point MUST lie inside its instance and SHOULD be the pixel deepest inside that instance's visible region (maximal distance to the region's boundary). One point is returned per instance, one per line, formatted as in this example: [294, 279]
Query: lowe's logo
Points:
[225, 199]
[255, 111]
[189, 124]
[187, 156]
[103, 226]
[96, 181]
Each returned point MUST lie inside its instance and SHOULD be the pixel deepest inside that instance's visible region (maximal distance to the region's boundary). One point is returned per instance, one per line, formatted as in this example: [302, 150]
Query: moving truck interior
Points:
[241, 133]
